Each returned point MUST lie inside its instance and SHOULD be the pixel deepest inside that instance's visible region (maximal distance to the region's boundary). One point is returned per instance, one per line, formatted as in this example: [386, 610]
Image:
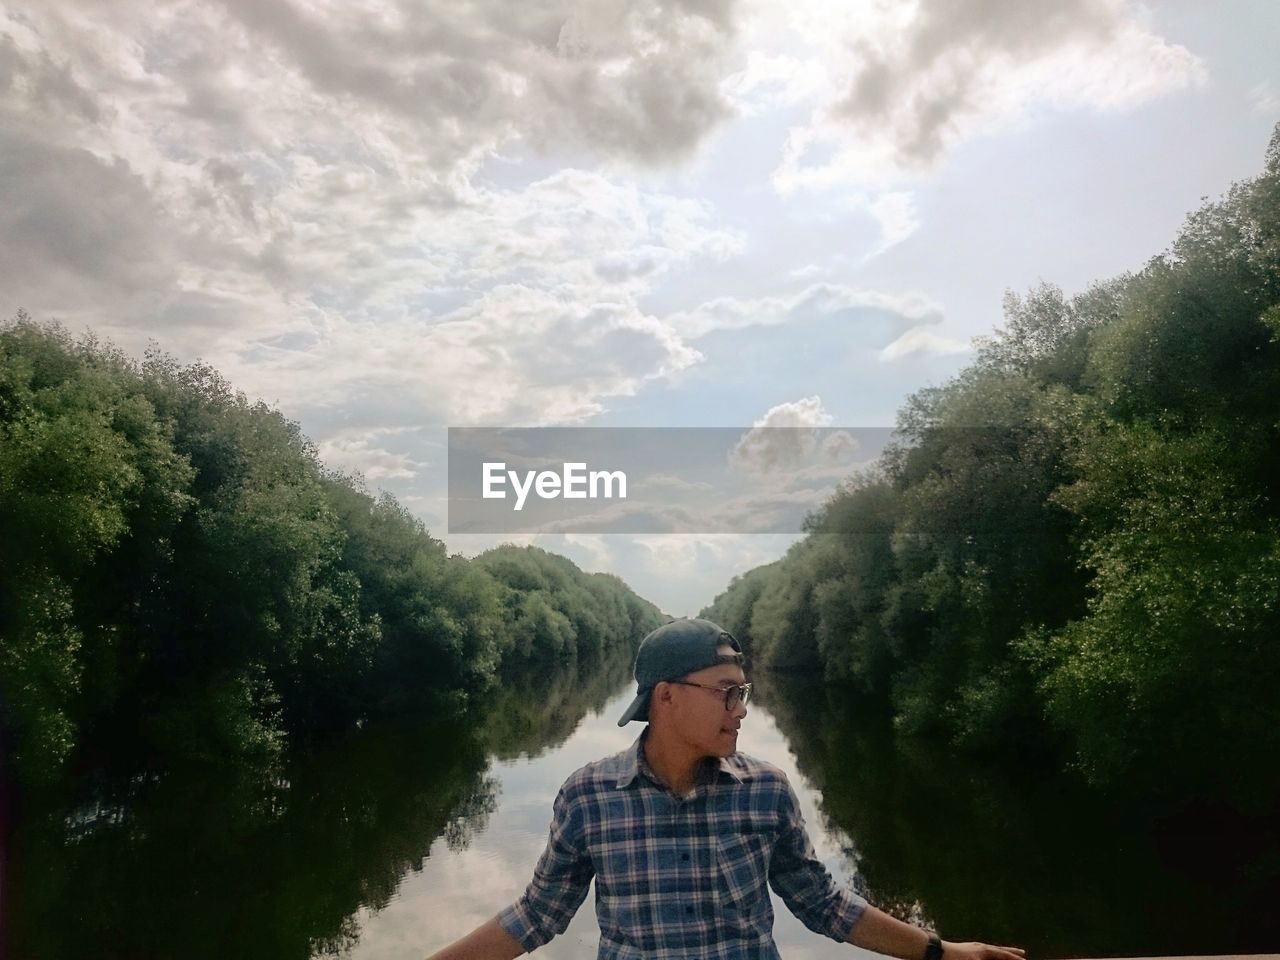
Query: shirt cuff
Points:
[518, 922]
[844, 913]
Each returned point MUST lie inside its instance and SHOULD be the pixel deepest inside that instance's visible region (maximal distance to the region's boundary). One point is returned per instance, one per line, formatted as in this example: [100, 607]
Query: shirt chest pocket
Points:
[743, 866]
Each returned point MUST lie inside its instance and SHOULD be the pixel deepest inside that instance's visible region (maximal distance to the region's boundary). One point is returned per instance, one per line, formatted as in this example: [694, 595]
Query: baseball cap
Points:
[671, 651]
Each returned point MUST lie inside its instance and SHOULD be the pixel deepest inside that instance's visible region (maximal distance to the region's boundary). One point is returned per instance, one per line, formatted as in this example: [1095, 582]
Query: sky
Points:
[388, 218]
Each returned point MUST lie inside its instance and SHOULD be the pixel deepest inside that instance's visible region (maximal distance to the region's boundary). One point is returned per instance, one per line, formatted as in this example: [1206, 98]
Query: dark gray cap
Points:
[672, 651]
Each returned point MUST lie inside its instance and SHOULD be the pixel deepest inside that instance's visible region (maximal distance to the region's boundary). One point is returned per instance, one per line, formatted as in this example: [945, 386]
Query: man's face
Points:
[698, 715]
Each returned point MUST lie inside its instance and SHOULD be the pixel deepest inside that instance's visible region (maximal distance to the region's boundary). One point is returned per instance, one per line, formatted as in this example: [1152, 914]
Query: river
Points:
[398, 841]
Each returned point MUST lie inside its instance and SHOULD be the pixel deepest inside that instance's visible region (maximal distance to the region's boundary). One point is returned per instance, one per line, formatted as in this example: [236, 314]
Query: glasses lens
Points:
[735, 695]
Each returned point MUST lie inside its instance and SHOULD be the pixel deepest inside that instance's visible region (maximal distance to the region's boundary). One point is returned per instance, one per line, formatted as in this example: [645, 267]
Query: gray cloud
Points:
[638, 82]
[776, 512]
[910, 82]
[936, 76]
[231, 188]
[45, 84]
[76, 229]
[1008, 26]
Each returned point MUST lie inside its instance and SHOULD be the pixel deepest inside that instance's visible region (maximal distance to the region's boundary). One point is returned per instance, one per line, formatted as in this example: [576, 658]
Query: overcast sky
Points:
[390, 217]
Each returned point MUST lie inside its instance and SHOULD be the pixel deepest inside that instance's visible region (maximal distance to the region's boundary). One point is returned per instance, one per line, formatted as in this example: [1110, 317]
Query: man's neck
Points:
[674, 762]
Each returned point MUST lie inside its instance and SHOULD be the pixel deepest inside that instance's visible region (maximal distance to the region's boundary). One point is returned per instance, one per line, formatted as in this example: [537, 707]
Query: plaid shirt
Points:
[679, 878]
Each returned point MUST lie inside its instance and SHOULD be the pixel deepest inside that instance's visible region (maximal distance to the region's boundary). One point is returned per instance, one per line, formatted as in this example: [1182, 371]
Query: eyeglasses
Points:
[738, 693]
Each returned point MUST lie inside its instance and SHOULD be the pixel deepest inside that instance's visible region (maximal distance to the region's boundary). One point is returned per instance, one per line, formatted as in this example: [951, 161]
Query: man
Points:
[682, 833]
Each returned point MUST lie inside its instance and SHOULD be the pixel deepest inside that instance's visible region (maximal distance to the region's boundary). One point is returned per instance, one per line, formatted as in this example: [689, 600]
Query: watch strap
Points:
[933, 951]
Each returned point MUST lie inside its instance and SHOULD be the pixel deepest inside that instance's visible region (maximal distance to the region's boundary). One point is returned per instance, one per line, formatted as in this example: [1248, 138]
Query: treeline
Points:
[181, 576]
[1076, 541]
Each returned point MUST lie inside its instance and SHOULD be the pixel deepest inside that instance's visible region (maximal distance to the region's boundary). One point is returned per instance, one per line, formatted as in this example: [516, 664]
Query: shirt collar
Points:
[634, 764]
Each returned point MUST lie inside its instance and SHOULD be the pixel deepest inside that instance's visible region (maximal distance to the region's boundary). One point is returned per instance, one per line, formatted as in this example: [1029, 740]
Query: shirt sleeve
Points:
[560, 880]
[803, 881]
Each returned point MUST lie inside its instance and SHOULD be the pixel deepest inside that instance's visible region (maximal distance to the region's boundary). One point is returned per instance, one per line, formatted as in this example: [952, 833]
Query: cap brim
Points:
[639, 709]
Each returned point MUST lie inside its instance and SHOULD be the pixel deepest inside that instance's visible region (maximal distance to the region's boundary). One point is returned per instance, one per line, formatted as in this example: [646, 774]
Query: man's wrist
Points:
[933, 949]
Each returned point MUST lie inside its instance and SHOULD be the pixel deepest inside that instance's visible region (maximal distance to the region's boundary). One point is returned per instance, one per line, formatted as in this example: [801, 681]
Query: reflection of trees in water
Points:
[538, 708]
[1012, 855]
[471, 815]
[241, 864]
[819, 738]
[276, 861]
[341, 942]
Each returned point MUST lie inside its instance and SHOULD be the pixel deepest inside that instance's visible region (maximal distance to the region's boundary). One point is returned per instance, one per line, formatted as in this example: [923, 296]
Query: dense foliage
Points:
[181, 577]
[1076, 541]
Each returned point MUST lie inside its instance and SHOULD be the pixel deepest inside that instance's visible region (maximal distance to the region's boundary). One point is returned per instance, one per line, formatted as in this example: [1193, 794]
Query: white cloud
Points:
[518, 306]
[782, 438]
[513, 356]
[921, 342]
[291, 193]
[895, 212]
[816, 300]
[682, 555]
[596, 548]
[809, 271]
[687, 571]
[795, 464]
[838, 446]
[1264, 100]
[803, 413]
[357, 451]
[772, 81]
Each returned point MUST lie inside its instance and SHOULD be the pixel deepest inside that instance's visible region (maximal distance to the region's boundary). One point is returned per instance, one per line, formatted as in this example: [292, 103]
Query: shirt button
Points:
[684, 856]
[688, 909]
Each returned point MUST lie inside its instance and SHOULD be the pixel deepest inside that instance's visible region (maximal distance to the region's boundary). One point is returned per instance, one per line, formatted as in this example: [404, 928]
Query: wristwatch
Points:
[934, 950]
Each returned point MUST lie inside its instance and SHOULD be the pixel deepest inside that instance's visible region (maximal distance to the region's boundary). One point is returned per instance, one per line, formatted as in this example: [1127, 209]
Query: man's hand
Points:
[980, 951]
[881, 933]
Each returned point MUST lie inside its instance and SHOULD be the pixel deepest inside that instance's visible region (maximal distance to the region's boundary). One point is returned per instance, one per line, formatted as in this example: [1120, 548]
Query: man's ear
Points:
[661, 692]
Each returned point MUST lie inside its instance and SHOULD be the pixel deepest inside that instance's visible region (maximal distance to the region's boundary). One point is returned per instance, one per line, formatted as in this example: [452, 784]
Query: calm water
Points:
[399, 841]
